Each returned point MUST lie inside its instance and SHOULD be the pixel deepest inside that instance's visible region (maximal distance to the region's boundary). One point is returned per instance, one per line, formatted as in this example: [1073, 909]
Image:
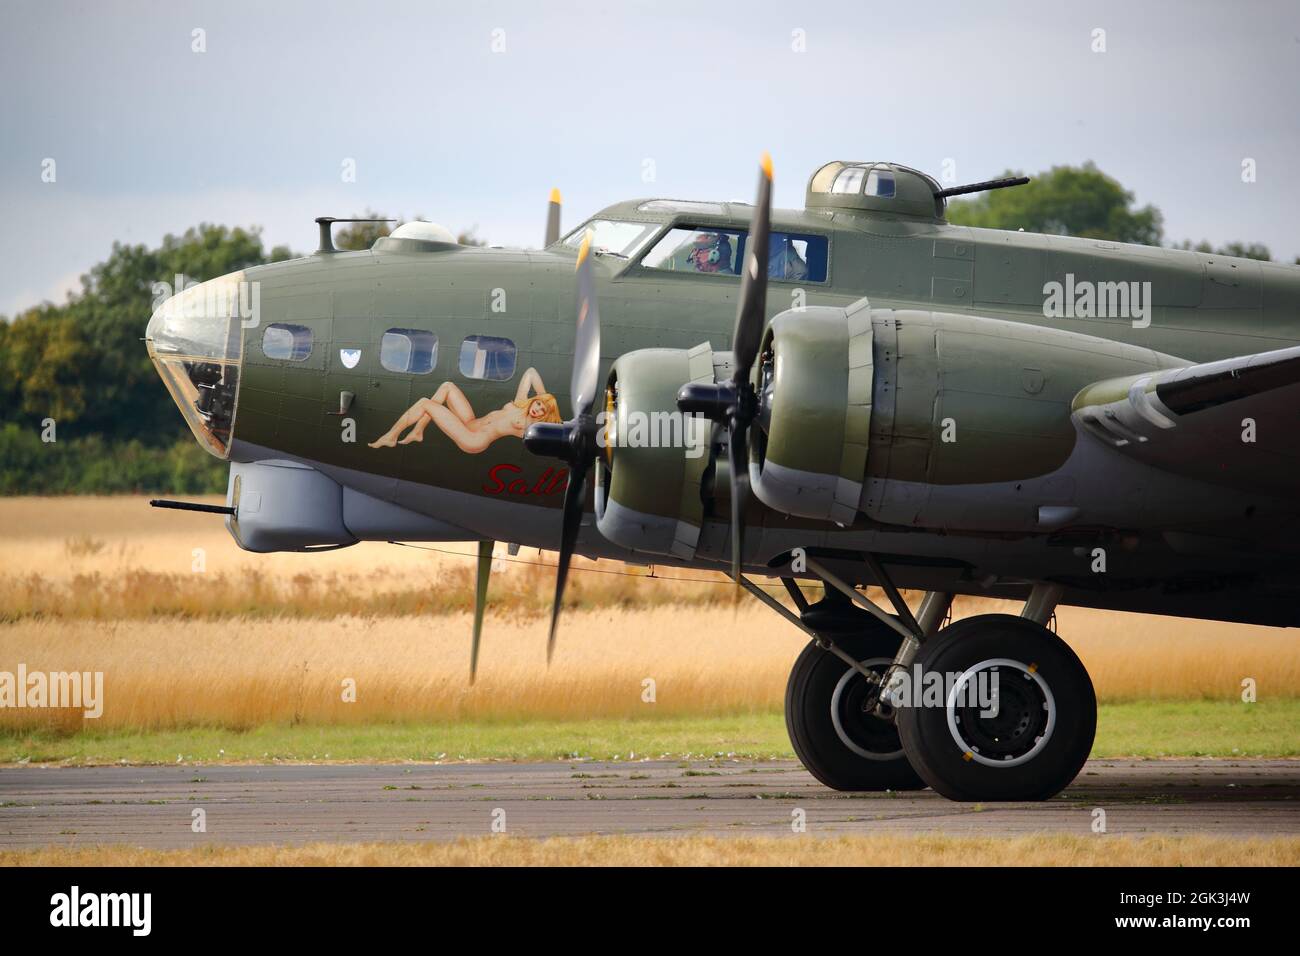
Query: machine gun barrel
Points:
[983, 187]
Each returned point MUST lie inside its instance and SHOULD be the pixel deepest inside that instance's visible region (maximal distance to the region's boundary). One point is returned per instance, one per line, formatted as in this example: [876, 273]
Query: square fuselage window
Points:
[409, 350]
[487, 357]
[287, 343]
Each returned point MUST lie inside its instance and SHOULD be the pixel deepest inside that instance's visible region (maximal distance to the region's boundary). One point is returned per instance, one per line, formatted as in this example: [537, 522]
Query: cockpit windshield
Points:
[614, 237]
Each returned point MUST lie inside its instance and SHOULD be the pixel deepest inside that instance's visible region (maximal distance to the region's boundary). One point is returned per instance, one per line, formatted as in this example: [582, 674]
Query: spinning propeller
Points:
[574, 441]
[484, 571]
[734, 404]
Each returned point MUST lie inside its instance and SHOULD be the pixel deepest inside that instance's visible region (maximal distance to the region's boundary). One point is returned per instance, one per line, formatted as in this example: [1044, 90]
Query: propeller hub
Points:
[728, 403]
[712, 400]
[744, 406]
[572, 442]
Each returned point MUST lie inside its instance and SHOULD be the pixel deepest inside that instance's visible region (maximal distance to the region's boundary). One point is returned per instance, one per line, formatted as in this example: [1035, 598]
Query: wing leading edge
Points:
[1232, 422]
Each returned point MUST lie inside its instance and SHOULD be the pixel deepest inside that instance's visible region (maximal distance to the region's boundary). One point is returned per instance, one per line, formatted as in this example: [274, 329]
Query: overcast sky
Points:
[150, 137]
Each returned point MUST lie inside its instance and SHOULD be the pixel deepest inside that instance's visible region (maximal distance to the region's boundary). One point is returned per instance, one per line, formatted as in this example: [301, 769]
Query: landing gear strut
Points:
[837, 725]
[993, 707]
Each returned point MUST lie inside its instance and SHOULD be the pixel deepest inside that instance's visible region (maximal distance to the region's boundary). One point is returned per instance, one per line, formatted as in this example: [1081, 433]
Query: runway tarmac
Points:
[291, 804]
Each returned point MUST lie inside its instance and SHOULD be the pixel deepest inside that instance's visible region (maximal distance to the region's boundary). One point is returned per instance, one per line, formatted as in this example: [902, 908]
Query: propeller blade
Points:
[574, 441]
[575, 494]
[750, 316]
[734, 404]
[738, 460]
[480, 602]
[586, 343]
[753, 281]
[552, 219]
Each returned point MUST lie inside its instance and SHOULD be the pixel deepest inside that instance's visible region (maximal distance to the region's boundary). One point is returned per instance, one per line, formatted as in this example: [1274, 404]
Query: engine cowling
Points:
[815, 382]
[654, 460]
[868, 410]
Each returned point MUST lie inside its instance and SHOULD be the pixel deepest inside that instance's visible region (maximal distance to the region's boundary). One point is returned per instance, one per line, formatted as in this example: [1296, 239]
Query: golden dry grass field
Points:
[191, 631]
[868, 851]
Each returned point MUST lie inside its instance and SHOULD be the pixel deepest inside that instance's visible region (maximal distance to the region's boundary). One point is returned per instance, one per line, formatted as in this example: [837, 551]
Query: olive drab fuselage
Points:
[967, 331]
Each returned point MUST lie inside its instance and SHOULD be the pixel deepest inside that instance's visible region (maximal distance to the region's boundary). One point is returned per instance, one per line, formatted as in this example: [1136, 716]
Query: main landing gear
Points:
[992, 707]
[839, 733]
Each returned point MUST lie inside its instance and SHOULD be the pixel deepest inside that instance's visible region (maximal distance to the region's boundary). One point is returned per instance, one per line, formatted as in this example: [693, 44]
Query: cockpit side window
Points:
[708, 250]
[796, 257]
[614, 237]
[712, 250]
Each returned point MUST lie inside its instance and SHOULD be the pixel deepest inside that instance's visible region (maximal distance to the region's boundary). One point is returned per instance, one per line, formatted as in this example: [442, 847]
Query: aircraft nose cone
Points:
[195, 339]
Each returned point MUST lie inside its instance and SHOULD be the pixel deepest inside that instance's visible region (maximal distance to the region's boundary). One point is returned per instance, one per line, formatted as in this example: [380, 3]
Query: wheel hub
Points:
[1010, 725]
[860, 724]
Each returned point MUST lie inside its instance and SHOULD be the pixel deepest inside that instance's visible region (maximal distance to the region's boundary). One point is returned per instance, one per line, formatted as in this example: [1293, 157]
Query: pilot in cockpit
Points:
[784, 261]
[711, 252]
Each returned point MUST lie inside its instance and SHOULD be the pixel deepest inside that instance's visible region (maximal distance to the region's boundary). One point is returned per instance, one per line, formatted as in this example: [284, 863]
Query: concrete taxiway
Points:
[291, 804]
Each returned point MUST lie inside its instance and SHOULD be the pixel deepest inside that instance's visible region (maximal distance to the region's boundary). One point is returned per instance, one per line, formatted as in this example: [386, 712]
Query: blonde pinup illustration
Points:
[450, 410]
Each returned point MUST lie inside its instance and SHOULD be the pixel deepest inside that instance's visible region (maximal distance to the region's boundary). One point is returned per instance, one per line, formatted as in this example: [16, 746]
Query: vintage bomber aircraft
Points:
[890, 399]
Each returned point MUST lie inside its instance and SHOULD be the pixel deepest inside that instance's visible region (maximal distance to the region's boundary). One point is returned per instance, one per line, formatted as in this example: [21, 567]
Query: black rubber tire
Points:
[943, 763]
[808, 720]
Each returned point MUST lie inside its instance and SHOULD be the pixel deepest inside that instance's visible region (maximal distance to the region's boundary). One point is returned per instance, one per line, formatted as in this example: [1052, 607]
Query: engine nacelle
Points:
[871, 410]
[815, 378]
[653, 458]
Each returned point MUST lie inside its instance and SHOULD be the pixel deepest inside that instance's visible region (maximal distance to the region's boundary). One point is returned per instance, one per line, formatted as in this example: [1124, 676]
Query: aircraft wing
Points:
[1233, 422]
